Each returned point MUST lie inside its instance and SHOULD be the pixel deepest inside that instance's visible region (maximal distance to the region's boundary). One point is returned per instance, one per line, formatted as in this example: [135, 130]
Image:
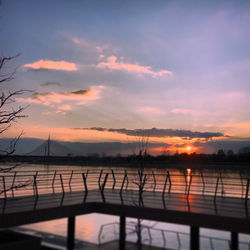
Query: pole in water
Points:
[234, 241]
[71, 233]
[122, 239]
[194, 238]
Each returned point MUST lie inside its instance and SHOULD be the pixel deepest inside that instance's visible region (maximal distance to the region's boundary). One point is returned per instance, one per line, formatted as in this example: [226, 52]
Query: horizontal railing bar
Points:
[129, 172]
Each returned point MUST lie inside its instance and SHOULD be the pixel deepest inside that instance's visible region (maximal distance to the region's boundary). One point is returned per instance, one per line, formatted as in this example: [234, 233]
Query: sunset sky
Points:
[103, 71]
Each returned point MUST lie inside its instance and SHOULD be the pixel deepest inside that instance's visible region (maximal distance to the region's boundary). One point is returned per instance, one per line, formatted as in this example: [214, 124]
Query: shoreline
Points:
[127, 162]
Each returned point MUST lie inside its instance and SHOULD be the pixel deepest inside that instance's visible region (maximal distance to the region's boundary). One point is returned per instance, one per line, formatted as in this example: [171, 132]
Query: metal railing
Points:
[163, 238]
[24, 183]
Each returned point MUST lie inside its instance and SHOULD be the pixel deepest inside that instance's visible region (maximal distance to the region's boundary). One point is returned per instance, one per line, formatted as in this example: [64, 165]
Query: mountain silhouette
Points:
[56, 149]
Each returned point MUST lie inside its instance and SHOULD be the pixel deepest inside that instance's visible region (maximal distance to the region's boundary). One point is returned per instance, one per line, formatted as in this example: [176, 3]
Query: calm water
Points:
[88, 226]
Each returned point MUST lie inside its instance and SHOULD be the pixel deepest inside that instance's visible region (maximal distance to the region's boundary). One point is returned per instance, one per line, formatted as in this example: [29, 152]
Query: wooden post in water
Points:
[194, 238]
[122, 239]
[234, 241]
[71, 233]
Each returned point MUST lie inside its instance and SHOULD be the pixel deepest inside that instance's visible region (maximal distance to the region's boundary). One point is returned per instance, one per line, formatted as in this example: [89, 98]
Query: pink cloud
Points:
[60, 112]
[55, 65]
[85, 44]
[183, 111]
[150, 110]
[113, 64]
[65, 107]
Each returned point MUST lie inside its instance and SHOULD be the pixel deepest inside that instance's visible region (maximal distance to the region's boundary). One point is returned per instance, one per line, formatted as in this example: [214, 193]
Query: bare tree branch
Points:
[12, 147]
[8, 169]
[8, 76]
[8, 99]
[17, 186]
[9, 114]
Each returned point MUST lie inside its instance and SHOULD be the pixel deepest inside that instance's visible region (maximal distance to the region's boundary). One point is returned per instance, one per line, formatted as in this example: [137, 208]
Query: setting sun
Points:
[188, 148]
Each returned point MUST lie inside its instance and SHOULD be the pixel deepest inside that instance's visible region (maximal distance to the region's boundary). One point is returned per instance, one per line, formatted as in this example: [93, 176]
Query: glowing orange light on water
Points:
[189, 170]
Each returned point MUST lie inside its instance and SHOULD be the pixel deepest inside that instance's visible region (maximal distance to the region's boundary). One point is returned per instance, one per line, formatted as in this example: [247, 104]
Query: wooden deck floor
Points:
[196, 210]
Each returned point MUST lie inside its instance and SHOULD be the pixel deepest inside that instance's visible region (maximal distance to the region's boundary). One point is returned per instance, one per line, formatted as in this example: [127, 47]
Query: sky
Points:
[102, 71]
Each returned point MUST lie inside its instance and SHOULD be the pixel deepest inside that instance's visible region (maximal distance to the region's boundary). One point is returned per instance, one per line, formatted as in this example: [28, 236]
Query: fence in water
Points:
[164, 238]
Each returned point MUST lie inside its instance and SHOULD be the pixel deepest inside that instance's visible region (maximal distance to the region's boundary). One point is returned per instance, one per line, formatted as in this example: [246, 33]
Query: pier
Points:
[196, 200]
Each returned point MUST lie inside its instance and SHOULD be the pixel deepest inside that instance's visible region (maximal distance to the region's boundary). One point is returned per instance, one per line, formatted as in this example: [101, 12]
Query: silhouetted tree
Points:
[244, 150]
[8, 114]
[141, 180]
[221, 152]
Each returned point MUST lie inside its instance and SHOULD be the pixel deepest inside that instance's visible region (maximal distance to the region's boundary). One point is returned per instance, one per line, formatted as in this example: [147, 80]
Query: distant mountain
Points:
[23, 146]
[32, 146]
[56, 149]
[102, 148]
[85, 149]
[37, 147]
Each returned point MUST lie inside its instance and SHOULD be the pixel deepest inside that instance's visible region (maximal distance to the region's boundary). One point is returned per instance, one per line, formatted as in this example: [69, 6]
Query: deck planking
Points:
[223, 213]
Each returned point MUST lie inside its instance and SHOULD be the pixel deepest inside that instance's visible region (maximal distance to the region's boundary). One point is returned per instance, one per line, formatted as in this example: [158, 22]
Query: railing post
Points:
[186, 186]
[242, 185]
[144, 181]
[211, 243]
[189, 186]
[222, 185]
[85, 196]
[124, 178]
[4, 188]
[203, 182]
[13, 184]
[53, 181]
[62, 183]
[170, 183]
[35, 186]
[165, 184]
[100, 234]
[70, 179]
[85, 182]
[121, 198]
[104, 182]
[179, 240]
[149, 235]
[113, 174]
[247, 190]
[154, 180]
[99, 180]
[216, 188]
[163, 238]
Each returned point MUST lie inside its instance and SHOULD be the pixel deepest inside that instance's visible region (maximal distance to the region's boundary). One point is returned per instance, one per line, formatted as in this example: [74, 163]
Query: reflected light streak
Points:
[188, 175]
[86, 229]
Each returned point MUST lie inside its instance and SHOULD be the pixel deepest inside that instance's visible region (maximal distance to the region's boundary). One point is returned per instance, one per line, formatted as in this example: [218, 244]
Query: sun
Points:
[188, 148]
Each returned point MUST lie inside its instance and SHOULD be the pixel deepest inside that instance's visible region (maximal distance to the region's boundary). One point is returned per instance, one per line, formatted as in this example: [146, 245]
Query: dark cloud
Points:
[45, 84]
[37, 70]
[80, 92]
[155, 132]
